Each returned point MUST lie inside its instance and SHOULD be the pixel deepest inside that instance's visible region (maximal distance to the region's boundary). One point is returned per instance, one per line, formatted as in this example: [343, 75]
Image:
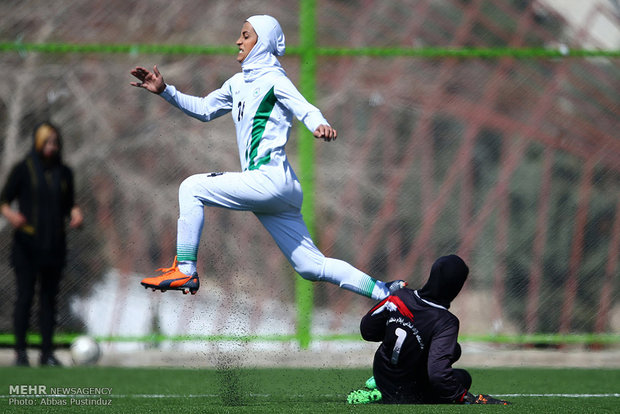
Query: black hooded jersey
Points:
[419, 345]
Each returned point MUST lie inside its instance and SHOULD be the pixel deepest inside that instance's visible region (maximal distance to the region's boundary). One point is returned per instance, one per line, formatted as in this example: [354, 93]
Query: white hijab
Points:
[270, 43]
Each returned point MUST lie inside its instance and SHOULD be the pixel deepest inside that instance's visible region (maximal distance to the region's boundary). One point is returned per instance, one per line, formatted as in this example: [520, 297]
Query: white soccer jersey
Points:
[262, 111]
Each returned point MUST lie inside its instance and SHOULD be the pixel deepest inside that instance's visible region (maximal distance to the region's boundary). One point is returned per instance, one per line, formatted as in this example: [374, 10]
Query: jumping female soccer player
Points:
[262, 101]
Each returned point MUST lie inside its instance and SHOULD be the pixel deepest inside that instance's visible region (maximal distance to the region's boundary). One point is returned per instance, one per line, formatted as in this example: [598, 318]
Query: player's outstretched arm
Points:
[325, 132]
[151, 81]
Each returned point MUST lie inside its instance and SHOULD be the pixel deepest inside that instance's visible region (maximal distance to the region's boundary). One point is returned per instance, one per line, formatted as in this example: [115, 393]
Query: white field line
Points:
[611, 395]
[614, 395]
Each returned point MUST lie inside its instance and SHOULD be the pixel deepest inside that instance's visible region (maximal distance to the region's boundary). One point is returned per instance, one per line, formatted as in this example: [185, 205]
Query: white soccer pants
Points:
[276, 200]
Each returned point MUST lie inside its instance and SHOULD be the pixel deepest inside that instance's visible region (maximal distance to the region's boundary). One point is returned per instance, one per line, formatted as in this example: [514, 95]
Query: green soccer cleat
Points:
[364, 396]
[370, 383]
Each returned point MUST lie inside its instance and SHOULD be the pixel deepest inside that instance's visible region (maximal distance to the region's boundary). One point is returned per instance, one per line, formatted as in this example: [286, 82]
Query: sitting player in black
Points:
[418, 336]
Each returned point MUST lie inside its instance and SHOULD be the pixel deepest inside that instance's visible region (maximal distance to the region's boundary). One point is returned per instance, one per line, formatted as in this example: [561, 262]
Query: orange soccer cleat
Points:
[172, 279]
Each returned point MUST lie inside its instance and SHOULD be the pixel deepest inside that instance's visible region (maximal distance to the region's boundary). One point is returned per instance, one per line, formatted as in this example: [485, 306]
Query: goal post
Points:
[304, 290]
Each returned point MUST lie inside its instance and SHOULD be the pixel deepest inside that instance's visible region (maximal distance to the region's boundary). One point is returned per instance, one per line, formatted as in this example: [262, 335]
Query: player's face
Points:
[51, 146]
[246, 41]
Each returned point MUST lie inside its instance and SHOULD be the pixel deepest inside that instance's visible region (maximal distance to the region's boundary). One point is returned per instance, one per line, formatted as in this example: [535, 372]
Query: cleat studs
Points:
[193, 292]
[163, 290]
[153, 289]
[184, 291]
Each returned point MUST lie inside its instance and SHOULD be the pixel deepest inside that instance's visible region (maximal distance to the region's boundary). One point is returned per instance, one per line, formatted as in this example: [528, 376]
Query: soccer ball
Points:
[85, 351]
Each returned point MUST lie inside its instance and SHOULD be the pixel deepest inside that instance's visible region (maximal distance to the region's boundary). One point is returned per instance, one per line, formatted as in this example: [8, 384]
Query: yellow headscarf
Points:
[42, 134]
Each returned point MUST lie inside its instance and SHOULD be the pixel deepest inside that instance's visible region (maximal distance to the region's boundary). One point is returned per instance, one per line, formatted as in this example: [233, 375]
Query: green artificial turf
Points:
[289, 390]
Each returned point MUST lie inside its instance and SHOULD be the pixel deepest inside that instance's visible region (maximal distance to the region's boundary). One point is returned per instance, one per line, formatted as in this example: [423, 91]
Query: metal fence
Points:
[474, 127]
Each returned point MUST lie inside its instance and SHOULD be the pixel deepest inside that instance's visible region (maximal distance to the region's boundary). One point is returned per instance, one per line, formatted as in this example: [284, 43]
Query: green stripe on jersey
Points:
[258, 129]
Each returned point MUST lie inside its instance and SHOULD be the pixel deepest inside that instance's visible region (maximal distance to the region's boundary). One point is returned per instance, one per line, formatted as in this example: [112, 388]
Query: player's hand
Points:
[151, 81]
[17, 219]
[483, 399]
[325, 132]
[77, 218]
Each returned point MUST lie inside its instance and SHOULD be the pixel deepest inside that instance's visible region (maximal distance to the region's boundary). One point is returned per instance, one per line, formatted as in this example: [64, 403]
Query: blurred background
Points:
[511, 162]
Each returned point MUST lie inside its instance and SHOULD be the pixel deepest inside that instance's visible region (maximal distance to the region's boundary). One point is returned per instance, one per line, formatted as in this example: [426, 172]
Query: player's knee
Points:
[187, 186]
[189, 190]
[463, 377]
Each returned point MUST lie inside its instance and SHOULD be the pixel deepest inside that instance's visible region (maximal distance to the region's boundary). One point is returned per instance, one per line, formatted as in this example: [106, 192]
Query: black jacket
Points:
[45, 195]
[418, 339]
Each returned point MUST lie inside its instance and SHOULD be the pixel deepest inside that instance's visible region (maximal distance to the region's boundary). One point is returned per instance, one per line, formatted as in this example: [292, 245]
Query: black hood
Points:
[38, 140]
[447, 277]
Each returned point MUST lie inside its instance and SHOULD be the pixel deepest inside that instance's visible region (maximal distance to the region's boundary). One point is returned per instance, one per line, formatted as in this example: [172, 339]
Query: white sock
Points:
[187, 267]
[348, 277]
[380, 291]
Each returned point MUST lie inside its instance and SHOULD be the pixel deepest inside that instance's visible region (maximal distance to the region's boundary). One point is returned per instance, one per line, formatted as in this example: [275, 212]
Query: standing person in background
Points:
[418, 336]
[44, 190]
[263, 102]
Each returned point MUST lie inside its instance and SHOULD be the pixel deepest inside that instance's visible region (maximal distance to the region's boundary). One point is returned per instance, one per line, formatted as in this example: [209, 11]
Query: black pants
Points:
[394, 393]
[27, 274]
